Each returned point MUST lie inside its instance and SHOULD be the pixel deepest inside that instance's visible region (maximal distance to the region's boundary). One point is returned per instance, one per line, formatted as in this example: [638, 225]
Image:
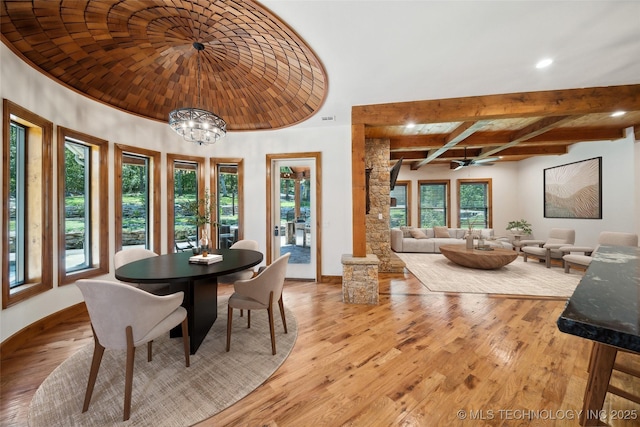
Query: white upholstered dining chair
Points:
[244, 274]
[260, 293]
[582, 255]
[125, 317]
[548, 249]
[125, 256]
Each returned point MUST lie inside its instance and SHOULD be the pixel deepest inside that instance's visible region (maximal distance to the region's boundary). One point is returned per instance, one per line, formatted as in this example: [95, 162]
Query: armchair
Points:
[572, 256]
[549, 249]
[124, 317]
[260, 293]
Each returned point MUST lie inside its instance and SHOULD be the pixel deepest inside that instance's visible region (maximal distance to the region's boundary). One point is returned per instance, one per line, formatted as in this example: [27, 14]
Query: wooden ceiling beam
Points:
[539, 127]
[493, 138]
[461, 133]
[417, 142]
[527, 104]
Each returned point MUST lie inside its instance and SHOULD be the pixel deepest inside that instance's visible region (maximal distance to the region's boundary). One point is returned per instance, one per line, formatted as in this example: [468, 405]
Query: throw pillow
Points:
[441, 232]
[406, 231]
[418, 234]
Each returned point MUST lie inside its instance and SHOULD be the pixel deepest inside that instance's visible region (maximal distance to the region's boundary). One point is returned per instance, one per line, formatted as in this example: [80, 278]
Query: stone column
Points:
[360, 279]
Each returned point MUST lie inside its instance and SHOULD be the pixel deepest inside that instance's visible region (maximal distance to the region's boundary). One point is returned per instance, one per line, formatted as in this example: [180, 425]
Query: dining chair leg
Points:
[284, 321]
[229, 320]
[271, 326]
[128, 377]
[248, 319]
[185, 341]
[98, 351]
[149, 351]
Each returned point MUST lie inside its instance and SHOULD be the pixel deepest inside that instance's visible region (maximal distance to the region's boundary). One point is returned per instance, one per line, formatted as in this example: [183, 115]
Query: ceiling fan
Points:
[459, 164]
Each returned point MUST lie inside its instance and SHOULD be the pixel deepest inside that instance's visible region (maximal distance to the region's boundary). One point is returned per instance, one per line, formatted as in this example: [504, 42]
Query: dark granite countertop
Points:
[604, 307]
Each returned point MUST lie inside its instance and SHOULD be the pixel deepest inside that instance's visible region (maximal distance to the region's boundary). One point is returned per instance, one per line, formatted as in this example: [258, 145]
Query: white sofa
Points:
[402, 241]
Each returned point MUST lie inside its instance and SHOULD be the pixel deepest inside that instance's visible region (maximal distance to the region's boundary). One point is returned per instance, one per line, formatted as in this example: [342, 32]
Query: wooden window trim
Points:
[447, 183]
[100, 218]
[408, 208]
[171, 158]
[487, 181]
[45, 281]
[154, 185]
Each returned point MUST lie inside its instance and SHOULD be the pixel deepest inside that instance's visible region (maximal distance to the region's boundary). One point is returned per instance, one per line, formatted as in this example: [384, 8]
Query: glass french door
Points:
[294, 215]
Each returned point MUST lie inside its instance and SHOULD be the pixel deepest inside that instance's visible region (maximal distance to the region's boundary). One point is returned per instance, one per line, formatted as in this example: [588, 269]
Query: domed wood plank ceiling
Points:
[138, 56]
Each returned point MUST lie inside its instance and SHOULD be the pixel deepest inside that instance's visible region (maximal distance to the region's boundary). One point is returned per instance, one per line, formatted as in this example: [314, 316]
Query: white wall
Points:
[619, 184]
[32, 90]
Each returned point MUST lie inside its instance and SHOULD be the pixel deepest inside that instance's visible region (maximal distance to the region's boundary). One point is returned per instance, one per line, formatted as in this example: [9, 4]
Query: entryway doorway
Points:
[293, 212]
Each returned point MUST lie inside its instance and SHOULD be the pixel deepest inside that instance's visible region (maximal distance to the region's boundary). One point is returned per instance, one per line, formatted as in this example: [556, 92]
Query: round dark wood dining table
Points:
[199, 282]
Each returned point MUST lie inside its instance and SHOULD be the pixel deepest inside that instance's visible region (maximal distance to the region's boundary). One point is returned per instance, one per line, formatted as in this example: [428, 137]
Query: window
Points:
[434, 203]
[185, 184]
[400, 211]
[83, 204]
[227, 183]
[474, 203]
[27, 225]
[137, 201]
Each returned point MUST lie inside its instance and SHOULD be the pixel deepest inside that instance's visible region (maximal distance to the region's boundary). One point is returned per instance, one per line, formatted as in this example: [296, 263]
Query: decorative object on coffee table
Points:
[474, 258]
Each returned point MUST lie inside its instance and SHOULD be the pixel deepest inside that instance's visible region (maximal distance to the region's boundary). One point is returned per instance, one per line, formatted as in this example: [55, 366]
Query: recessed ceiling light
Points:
[618, 113]
[411, 125]
[544, 63]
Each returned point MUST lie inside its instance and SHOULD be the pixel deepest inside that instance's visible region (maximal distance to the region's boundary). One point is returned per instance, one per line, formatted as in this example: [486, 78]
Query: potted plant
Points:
[520, 227]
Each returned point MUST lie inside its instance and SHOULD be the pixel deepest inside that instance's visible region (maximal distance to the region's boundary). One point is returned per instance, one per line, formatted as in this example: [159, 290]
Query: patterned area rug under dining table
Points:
[532, 278]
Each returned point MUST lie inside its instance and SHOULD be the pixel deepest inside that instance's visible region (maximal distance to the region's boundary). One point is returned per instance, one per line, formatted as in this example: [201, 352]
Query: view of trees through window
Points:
[17, 205]
[399, 212]
[288, 178]
[185, 192]
[433, 204]
[474, 204]
[77, 207]
[135, 201]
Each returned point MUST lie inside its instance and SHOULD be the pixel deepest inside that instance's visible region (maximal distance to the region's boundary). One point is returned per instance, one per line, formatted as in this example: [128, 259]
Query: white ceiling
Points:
[380, 51]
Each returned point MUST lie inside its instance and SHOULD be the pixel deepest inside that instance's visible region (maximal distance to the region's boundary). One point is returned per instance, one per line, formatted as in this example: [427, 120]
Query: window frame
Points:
[214, 166]
[489, 207]
[39, 132]
[407, 210]
[99, 200]
[447, 184]
[154, 186]
[171, 159]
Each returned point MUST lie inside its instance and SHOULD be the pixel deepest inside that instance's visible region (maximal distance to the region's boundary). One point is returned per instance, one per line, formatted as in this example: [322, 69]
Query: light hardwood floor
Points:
[416, 359]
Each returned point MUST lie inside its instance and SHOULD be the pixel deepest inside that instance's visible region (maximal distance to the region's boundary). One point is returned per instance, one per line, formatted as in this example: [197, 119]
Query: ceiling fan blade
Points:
[485, 160]
[483, 164]
[455, 165]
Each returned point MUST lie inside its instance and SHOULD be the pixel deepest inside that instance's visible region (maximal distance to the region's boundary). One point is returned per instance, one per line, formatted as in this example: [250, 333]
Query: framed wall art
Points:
[574, 190]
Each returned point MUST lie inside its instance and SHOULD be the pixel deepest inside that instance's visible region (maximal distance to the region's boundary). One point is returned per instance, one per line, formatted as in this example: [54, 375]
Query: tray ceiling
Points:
[137, 56]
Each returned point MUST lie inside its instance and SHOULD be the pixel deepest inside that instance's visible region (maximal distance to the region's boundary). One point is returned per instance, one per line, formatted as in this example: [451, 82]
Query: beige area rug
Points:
[439, 274]
[165, 392]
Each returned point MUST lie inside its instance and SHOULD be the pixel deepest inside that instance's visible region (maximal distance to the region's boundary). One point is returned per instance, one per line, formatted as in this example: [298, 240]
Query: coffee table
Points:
[475, 258]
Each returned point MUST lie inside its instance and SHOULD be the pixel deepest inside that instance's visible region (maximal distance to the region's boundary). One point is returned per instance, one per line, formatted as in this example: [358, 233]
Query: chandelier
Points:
[195, 125]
